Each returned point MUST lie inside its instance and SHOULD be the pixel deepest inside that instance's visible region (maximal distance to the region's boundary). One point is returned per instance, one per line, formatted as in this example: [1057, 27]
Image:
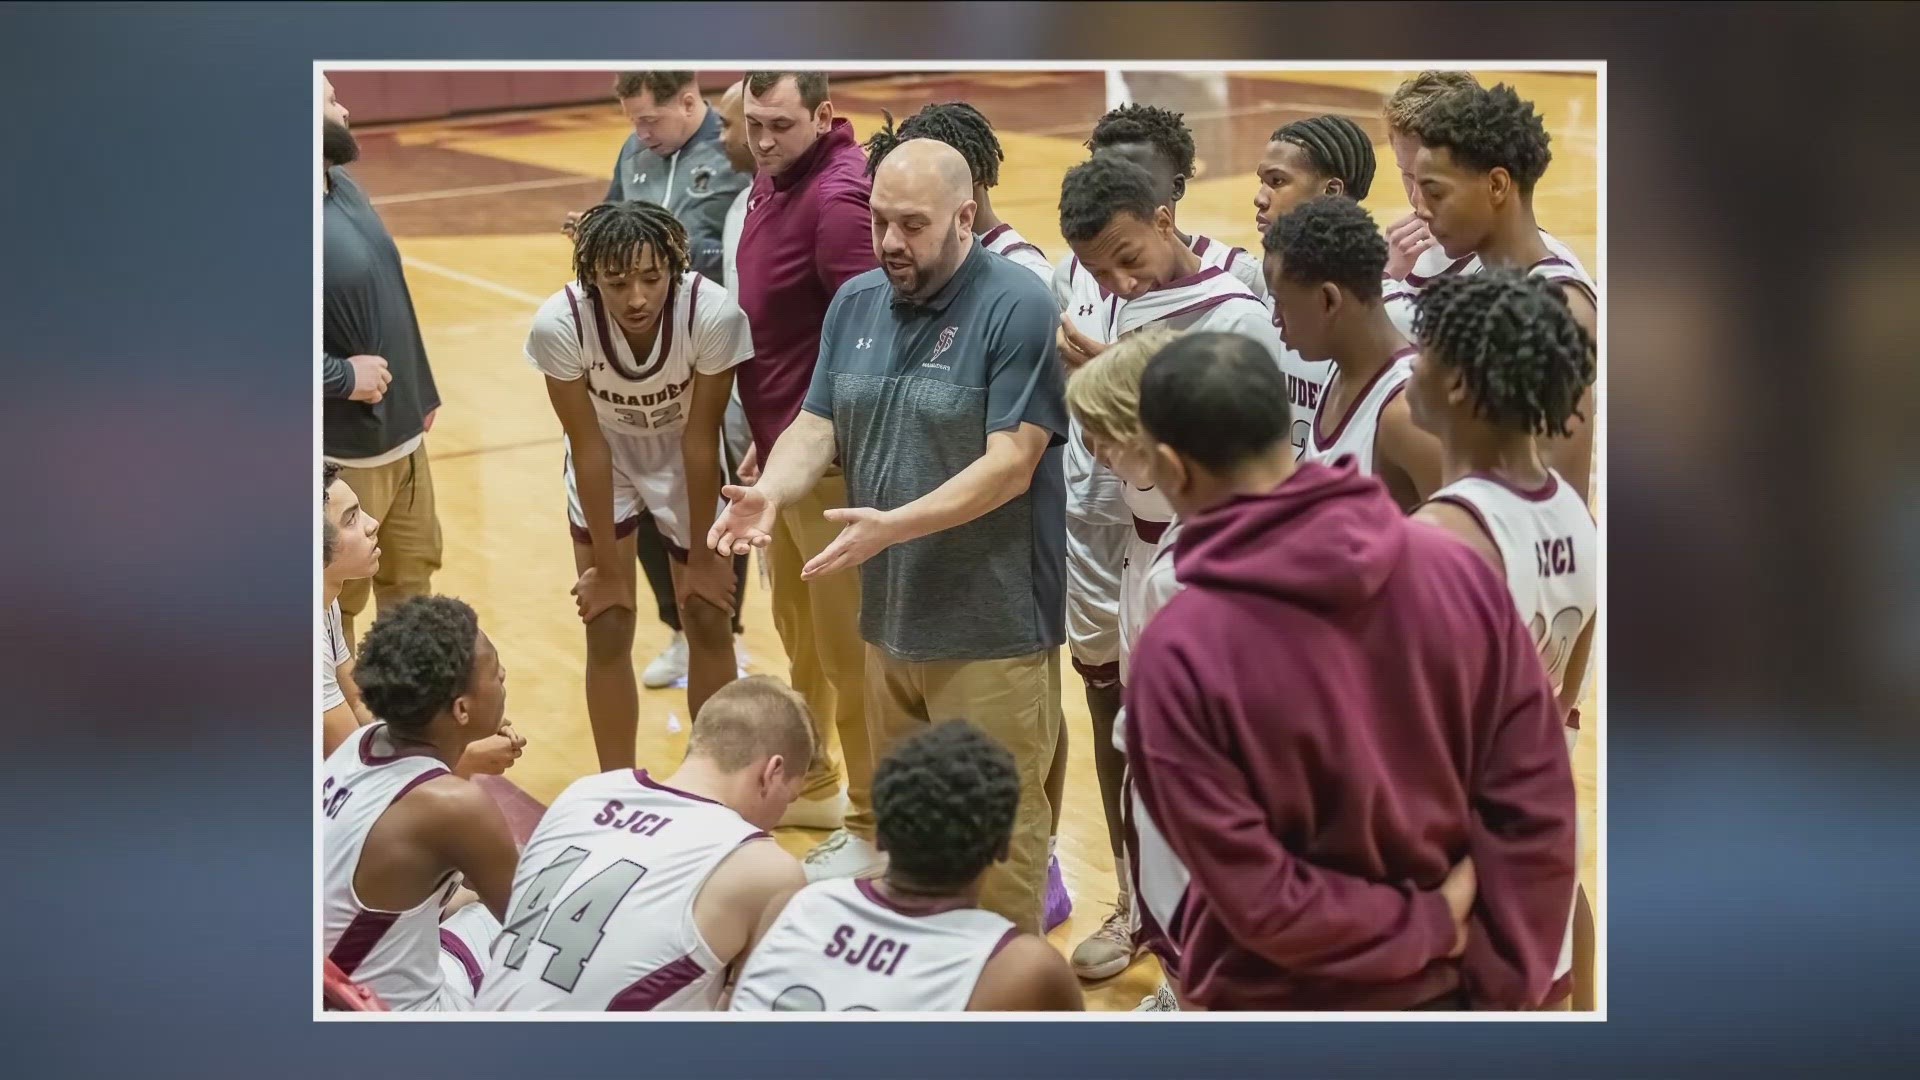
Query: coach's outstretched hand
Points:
[745, 524]
[868, 532]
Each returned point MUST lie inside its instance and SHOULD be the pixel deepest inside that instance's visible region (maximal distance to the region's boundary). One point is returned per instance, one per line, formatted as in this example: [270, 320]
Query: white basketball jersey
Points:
[1551, 550]
[1306, 381]
[1146, 584]
[602, 913]
[1003, 241]
[1433, 263]
[1233, 260]
[1355, 433]
[1093, 491]
[703, 330]
[396, 954]
[840, 946]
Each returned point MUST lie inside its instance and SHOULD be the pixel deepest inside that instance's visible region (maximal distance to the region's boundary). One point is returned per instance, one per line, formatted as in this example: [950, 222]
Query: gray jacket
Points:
[697, 184]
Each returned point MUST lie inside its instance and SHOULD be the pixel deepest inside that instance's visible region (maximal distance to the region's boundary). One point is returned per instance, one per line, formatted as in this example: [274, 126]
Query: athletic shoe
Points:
[1161, 1000]
[825, 813]
[669, 667]
[1059, 902]
[1109, 950]
[843, 855]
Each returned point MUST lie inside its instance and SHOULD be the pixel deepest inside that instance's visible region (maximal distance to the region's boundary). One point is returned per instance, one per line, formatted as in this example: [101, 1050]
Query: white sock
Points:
[1053, 844]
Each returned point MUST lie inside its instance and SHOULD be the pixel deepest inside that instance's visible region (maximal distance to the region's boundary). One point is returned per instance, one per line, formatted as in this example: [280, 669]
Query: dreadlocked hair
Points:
[1159, 128]
[1524, 358]
[955, 123]
[1338, 147]
[609, 239]
[1488, 129]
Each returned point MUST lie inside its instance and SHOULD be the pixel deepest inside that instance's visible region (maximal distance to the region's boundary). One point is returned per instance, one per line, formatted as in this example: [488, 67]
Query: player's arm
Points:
[1304, 918]
[1520, 831]
[464, 828]
[1576, 673]
[1572, 457]
[732, 902]
[1458, 520]
[763, 920]
[1027, 975]
[1411, 455]
[592, 465]
[994, 478]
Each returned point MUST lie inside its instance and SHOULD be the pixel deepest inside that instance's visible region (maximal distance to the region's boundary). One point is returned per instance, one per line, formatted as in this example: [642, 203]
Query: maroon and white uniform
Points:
[1355, 434]
[1433, 263]
[409, 958]
[1098, 527]
[841, 946]
[1003, 241]
[602, 912]
[1550, 548]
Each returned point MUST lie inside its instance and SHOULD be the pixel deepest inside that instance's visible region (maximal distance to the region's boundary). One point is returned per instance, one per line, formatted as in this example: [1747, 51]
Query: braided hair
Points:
[610, 237]
[1159, 128]
[955, 123]
[1338, 147]
[1524, 359]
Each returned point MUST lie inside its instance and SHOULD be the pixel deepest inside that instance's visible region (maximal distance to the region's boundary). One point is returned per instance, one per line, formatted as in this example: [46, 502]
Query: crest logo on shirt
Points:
[702, 180]
[943, 342]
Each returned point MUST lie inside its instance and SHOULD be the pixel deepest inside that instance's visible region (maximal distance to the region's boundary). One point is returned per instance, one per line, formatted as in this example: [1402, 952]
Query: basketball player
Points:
[962, 127]
[1104, 399]
[1324, 266]
[639, 354]
[349, 551]
[1502, 363]
[914, 939]
[636, 894]
[1481, 153]
[399, 828]
[1321, 155]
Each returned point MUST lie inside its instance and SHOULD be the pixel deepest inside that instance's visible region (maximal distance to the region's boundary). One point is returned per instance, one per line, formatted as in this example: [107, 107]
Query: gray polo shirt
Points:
[913, 390]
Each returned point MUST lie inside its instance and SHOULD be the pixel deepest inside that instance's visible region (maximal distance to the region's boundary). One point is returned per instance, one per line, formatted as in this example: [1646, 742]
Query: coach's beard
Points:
[917, 283]
[337, 144]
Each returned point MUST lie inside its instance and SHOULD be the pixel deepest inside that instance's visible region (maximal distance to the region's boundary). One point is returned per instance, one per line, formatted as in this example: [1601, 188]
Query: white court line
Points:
[484, 189]
[477, 282]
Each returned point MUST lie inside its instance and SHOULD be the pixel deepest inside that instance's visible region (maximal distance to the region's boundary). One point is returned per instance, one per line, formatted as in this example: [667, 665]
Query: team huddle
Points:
[1311, 526]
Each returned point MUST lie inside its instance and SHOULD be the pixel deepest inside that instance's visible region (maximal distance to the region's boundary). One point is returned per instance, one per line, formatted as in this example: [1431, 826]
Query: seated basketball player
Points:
[914, 939]
[639, 353]
[1481, 154]
[349, 551]
[1321, 155]
[1502, 365]
[962, 127]
[399, 830]
[1326, 658]
[635, 894]
[1324, 264]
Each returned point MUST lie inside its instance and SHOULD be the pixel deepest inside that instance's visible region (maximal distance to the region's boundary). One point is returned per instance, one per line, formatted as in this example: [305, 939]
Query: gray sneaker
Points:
[1109, 950]
[843, 855]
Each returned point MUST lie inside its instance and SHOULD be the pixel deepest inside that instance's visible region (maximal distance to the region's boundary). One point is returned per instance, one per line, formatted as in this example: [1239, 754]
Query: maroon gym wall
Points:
[380, 97]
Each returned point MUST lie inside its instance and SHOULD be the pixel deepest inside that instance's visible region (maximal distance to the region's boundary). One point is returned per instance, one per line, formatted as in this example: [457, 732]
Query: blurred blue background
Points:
[155, 586]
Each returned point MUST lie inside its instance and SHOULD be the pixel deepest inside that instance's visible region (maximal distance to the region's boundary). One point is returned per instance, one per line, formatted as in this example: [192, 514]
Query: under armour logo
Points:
[1086, 309]
[863, 343]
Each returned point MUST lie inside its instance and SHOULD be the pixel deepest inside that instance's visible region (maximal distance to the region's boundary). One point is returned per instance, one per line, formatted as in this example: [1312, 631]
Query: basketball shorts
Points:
[1094, 554]
[465, 938]
[649, 476]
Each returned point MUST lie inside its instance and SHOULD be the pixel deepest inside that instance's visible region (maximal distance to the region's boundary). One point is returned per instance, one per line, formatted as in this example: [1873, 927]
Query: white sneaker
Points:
[669, 667]
[825, 813]
[1161, 1000]
[843, 855]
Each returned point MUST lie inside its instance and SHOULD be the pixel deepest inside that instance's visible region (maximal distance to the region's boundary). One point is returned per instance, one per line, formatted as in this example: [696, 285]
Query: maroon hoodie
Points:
[1339, 706]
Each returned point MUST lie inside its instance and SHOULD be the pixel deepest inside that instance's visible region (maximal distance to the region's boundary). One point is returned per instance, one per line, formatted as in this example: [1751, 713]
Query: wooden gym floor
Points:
[475, 206]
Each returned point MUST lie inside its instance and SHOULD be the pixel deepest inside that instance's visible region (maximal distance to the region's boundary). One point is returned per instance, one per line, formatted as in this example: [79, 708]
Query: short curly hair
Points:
[955, 123]
[1330, 238]
[1160, 128]
[662, 84]
[1099, 189]
[416, 659]
[943, 803]
[1487, 130]
[1338, 148]
[1525, 360]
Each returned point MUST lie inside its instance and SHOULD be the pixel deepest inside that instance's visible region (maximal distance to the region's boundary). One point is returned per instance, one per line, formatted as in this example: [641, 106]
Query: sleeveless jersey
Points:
[703, 330]
[1355, 433]
[1003, 241]
[602, 912]
[840, 946]
[1306, 381]
[396, 954]
[1093, 492]
[1551, 549]
[1433, 263]
[1233, 260]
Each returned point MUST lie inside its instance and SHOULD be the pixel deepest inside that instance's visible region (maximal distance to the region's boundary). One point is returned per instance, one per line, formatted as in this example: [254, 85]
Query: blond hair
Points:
[1412, 97]
[1104, 395]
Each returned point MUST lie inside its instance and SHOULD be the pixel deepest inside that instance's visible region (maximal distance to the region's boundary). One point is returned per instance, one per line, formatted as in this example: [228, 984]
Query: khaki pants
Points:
[1017, 701]
[819, 624]
[400, 495]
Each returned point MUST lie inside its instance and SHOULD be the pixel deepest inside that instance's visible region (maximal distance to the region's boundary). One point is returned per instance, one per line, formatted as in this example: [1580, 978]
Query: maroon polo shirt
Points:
[807, 231]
